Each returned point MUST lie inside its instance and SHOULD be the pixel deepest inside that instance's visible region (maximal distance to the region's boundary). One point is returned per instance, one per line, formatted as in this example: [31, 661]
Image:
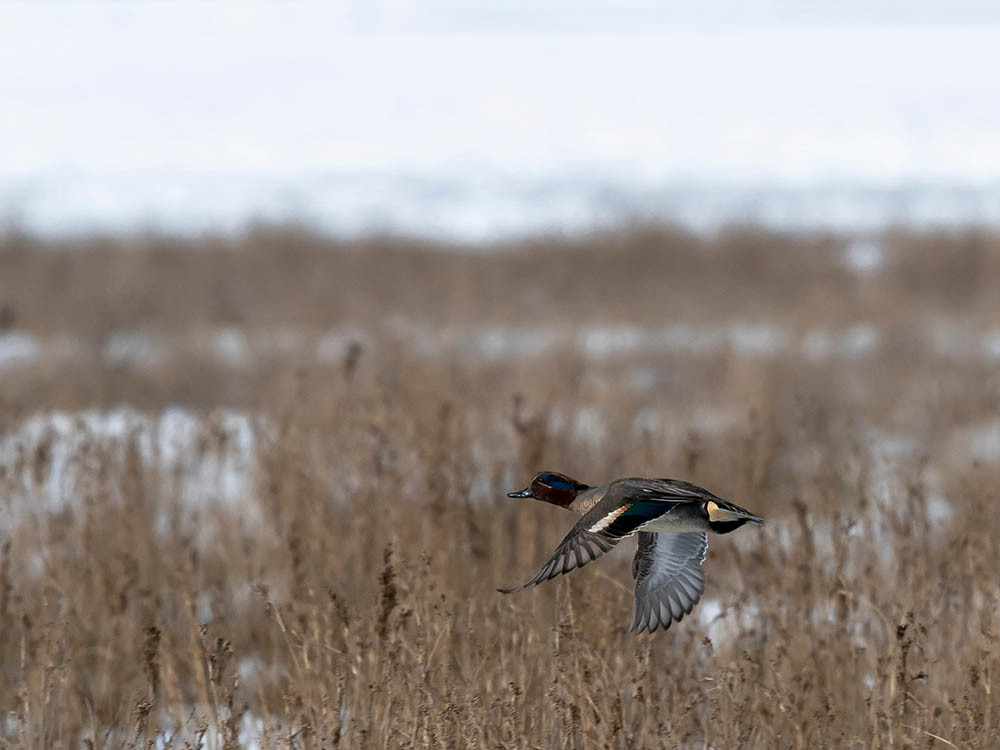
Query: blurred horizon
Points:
[478, 122]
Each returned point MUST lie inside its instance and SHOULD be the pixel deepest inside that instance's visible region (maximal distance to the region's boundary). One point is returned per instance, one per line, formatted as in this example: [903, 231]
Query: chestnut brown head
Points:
[552, 487]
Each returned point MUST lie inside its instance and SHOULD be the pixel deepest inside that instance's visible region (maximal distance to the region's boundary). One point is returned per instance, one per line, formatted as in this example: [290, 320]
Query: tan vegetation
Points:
[343, 594]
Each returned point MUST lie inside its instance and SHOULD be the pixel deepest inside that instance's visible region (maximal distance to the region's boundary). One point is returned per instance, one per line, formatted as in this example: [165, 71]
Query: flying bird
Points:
[672, 519]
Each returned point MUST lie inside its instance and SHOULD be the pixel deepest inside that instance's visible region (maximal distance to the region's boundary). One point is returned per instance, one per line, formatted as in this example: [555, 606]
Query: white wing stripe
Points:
[608, 519]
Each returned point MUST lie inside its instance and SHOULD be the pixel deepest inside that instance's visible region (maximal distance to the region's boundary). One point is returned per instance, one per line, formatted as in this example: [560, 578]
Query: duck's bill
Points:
[526, 492]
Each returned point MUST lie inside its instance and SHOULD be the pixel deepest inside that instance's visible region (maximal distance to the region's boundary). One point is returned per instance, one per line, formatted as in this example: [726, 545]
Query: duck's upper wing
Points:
[677, 492]
[669, 579]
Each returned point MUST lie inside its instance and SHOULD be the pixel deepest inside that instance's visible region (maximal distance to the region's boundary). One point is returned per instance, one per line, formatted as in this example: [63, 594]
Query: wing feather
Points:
[576, 550]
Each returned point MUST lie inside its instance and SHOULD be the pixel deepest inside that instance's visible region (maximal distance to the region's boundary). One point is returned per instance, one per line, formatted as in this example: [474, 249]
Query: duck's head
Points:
[552, 487]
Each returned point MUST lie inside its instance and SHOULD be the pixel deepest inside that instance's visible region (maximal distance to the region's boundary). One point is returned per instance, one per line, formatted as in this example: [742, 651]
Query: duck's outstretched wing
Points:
[576, 550]
[669, 579]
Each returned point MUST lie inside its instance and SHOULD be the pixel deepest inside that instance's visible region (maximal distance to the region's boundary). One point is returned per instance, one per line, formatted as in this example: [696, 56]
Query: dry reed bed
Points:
[347, 600]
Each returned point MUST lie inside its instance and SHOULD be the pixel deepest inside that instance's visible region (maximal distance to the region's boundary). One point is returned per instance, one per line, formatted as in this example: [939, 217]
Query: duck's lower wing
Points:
[669, 579]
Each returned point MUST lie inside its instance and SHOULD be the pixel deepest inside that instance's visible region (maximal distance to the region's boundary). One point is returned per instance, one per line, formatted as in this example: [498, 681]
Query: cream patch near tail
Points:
[717, 514]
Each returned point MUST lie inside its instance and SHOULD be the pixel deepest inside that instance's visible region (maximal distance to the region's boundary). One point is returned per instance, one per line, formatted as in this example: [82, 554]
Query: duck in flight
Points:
[672, 519]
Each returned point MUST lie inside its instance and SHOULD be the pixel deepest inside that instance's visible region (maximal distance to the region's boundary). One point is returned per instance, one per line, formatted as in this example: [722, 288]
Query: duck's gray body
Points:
[672, 519]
